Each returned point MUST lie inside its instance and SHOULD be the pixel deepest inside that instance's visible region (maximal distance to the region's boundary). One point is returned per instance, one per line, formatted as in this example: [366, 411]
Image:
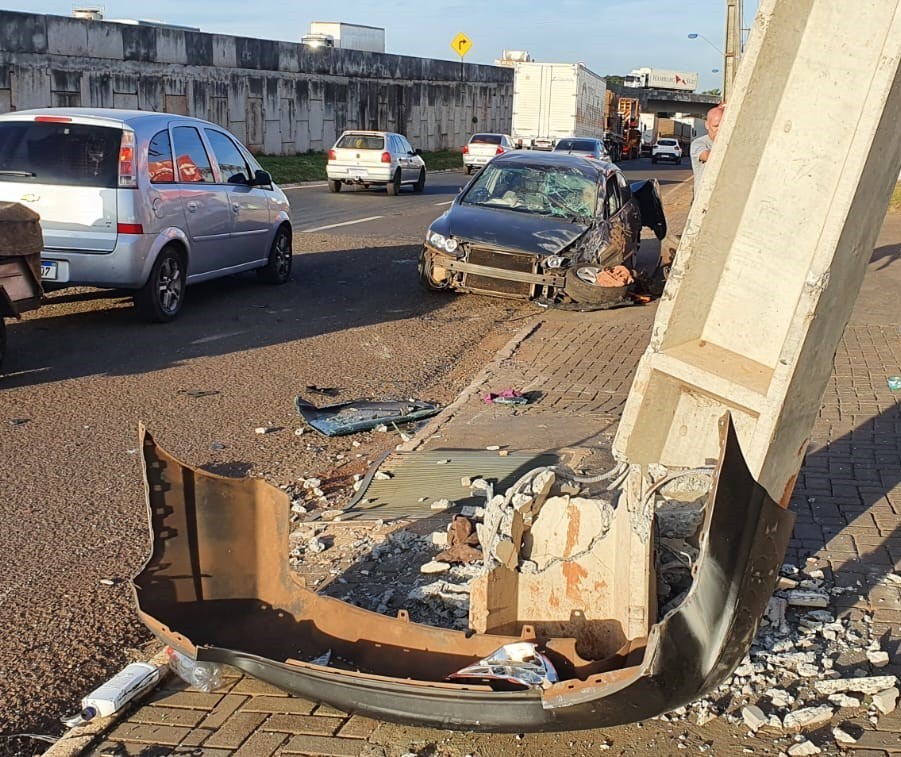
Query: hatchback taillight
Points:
[386, 157]
[499, 150]
[127, 176]
[331, 155]
[466, 149]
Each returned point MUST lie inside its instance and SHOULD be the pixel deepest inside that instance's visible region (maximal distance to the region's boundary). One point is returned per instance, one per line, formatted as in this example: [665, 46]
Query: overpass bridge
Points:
[667, 101]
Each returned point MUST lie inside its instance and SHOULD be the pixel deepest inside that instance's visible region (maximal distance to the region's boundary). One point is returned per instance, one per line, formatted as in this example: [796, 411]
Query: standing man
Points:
[701, 146]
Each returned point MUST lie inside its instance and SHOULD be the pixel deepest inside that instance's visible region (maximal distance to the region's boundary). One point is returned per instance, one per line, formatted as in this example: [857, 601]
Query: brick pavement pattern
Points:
[848, 501]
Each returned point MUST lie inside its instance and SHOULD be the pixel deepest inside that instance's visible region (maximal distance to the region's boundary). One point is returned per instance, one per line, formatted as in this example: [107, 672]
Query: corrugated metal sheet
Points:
[437, 474]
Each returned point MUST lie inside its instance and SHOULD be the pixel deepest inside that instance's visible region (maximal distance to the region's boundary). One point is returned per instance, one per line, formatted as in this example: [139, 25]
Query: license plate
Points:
[49, 270]
[357, 173]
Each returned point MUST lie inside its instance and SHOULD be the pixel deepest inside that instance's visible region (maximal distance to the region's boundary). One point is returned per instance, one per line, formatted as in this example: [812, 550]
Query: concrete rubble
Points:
[794, 681]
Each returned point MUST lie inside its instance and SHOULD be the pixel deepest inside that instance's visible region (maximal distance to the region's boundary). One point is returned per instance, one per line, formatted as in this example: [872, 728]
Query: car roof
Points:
[369, 133]
[550, 159]
[117, 115]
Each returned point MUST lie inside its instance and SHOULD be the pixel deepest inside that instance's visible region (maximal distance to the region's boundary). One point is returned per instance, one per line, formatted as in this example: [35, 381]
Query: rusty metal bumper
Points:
[217, 586]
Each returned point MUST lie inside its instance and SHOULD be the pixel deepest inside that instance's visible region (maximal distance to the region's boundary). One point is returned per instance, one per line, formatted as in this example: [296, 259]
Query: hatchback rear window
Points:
[578, 145]
[486, 139]
[361, 142]
[59, 153]
[667, 142]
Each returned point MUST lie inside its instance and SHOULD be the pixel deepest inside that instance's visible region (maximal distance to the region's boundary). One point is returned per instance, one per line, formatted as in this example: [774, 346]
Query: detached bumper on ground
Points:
[218, 587]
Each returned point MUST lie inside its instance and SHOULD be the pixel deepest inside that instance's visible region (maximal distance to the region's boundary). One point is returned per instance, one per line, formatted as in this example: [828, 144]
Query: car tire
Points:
[420, 182]
[394, 184]
[161, 298]
[278, 267]
[467, 170]
[334, 185]
[591, 294]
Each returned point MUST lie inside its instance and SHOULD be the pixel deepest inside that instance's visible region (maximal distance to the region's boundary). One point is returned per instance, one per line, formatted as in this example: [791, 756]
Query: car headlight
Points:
[441, 242]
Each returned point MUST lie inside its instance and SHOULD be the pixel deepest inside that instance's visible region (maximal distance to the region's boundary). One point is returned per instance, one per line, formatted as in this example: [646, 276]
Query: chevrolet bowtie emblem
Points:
[30, 197]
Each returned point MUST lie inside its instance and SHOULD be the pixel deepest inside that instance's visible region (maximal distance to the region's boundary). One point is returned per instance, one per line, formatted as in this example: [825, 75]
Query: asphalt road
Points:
[83, 370]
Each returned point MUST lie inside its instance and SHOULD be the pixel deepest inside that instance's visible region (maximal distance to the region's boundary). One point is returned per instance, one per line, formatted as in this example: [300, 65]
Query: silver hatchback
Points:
[144, 201]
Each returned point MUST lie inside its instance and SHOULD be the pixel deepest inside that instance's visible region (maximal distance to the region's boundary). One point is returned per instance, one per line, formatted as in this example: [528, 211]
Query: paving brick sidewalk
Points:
[848, 500]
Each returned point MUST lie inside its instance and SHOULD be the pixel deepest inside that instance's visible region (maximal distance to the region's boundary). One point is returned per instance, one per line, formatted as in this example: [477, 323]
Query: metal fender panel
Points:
[217, 586]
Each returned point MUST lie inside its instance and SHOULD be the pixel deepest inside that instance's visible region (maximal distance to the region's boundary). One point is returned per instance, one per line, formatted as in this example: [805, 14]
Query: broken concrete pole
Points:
[862, 685]
[566, 526]
[718, 343]
[808, 718]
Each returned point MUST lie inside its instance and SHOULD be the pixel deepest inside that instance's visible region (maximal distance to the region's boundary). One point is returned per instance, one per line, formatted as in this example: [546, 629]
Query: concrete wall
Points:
[278, 97]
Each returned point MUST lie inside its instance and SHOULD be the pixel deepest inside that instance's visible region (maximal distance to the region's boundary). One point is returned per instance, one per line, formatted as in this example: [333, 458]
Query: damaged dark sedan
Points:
[541, 226]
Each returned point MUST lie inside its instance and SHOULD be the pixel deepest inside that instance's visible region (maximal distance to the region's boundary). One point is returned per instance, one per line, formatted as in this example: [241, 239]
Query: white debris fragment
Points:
[441, 504]
[439, 538]
[807, 718]
[886, 700]
[435, 566]
[316, 545]
[842, 737]
[780, 697]
[493, 447]
[473, 513]
[381, 428]
[753, 716]
[775, 610]
[383, 476]
[843, 700]
[878, 658]
[442, 462]
[807, 598]
[892, 579]
[861, 685]
[804, 748]
[265, 429]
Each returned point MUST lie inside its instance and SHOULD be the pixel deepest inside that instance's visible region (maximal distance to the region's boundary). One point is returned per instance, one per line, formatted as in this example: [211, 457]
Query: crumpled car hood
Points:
[217, 587]
[508, 229]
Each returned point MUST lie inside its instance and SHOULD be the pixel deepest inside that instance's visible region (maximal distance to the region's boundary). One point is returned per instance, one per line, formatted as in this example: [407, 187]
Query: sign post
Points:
[461, 45]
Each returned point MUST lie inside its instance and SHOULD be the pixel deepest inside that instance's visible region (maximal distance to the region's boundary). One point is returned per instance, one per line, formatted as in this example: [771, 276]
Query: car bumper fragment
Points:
[217, 586]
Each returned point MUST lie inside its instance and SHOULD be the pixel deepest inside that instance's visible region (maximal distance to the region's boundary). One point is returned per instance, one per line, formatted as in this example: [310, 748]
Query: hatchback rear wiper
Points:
[17, 173]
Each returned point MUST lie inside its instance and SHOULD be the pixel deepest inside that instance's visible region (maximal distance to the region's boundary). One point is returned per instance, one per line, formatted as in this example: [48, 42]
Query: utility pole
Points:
[733, 46]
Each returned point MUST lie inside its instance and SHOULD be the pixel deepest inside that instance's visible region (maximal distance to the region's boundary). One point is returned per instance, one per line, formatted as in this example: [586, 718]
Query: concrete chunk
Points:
[886, 700]
[753, 717]
[808, 718]
[804, 748]
[807, 598]
[862, 685]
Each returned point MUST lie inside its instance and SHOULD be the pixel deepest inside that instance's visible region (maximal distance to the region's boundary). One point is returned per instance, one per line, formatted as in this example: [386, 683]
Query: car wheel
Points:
[579, 287]
[161, 298]
[278, 268]
[394, 184]
[467, 170]
[334, 185]
[420, 182]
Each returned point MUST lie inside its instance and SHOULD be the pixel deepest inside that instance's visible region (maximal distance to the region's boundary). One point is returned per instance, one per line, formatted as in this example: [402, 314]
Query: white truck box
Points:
[349, 36]
[661, 78]
[556, 100]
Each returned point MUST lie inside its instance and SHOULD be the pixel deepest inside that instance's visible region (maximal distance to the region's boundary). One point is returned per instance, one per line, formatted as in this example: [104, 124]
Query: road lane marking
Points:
[217, 337]
[449, 202]
[336, 225]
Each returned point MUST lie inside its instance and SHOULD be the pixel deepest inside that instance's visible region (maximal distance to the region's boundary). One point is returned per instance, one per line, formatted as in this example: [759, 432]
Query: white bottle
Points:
[128, 683]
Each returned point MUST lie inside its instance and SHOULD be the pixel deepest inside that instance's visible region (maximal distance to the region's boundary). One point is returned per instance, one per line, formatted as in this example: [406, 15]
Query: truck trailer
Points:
[345, 36]
[556, 100]
[661, 78]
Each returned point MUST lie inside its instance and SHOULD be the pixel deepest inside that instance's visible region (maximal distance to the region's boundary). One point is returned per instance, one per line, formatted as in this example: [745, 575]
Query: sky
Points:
[608, 36]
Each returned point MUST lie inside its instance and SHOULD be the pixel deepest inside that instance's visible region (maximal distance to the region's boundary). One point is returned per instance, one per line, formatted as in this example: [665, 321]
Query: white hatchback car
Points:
[666, 149]
[375, 157]
[481, 148]
[144, 201]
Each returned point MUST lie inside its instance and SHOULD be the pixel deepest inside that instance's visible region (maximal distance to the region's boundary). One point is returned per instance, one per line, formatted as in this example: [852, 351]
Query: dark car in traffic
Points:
[585, 147]
[540, 225]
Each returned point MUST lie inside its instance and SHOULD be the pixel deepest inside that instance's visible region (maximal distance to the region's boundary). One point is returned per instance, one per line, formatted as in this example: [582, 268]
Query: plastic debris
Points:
[506, 397]
[894, 383]
[362, 415]
[519, 663]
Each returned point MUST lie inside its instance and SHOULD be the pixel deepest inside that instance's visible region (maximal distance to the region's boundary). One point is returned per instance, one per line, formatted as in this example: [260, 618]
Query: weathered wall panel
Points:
[277, 96]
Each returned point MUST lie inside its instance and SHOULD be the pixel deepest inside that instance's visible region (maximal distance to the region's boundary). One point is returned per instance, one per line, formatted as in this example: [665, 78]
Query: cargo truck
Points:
[661, 78]
[555, 100]
[345, 36]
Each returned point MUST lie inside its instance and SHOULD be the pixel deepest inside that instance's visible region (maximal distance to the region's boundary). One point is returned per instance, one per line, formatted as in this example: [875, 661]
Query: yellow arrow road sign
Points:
[461, 44]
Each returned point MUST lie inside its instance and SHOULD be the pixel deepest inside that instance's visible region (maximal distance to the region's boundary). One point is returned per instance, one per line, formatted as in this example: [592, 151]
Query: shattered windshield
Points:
[558, 191]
